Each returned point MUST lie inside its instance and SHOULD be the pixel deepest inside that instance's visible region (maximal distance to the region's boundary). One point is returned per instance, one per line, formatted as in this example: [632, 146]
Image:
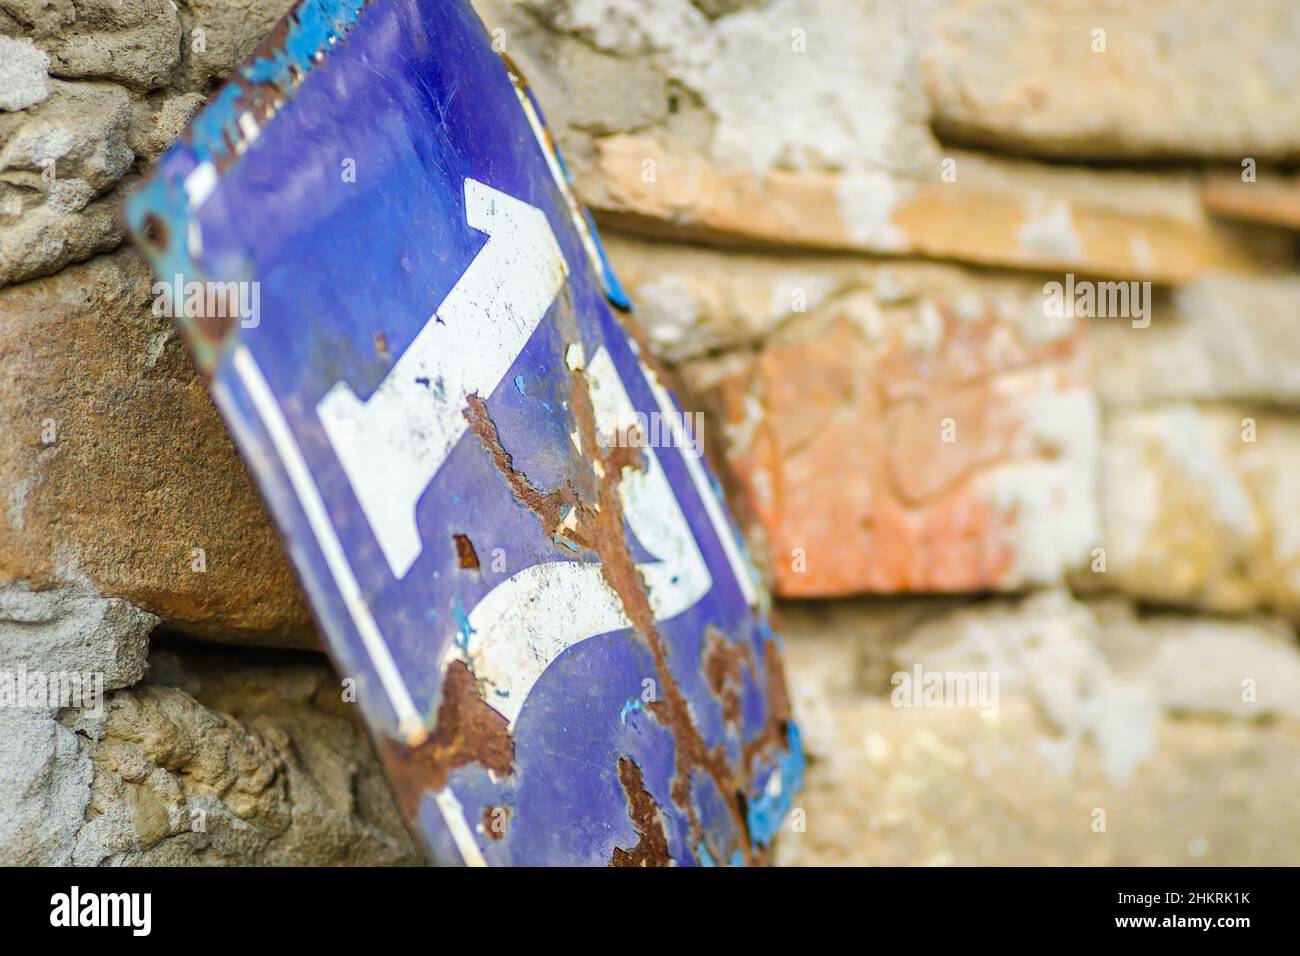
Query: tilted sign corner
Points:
[558, 643]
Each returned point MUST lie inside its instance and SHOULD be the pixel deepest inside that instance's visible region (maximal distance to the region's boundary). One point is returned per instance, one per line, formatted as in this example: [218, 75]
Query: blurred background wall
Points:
[850, 228]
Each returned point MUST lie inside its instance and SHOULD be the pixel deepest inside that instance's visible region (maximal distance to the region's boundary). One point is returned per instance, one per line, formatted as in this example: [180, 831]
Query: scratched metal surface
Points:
[560, 649]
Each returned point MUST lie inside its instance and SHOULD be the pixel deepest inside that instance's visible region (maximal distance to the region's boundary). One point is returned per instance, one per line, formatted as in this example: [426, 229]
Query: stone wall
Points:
[838, 221]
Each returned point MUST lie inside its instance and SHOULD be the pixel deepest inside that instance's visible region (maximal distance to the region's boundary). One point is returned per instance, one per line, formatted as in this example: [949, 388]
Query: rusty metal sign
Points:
[502, 518]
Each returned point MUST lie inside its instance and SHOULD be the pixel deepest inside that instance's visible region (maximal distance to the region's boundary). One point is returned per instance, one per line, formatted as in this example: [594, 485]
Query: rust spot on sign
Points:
[468, 731]
[466, 556]
[550, 507]
[652, 848]
[724, 665]
[773, 736]
[672, 708]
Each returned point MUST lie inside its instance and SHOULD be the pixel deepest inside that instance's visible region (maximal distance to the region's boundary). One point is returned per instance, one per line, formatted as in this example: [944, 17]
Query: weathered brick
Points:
[996, 212]
[1271, 199]
[935, 447]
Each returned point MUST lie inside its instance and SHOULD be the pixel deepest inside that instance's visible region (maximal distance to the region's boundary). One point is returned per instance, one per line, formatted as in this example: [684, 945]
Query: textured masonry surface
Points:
[836, 220]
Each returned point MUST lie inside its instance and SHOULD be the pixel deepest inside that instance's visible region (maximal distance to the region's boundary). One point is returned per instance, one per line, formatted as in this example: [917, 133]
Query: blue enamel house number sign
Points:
[558, 644]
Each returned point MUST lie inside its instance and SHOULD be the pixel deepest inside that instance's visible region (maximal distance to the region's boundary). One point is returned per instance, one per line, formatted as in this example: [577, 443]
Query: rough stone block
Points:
[133, 42]
[216, 760]
[1200, 507]
[53, 631]
[1218, 340]
[117, 471]
[1166, 78]
[1119, 739]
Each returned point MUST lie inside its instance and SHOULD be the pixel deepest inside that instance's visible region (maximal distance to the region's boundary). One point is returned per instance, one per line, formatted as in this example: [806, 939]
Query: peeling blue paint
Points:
[313, 27]
[705, 859]
[768, 809]
[633, 705]
[463, 628]
[613, 288]
[215, 126]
